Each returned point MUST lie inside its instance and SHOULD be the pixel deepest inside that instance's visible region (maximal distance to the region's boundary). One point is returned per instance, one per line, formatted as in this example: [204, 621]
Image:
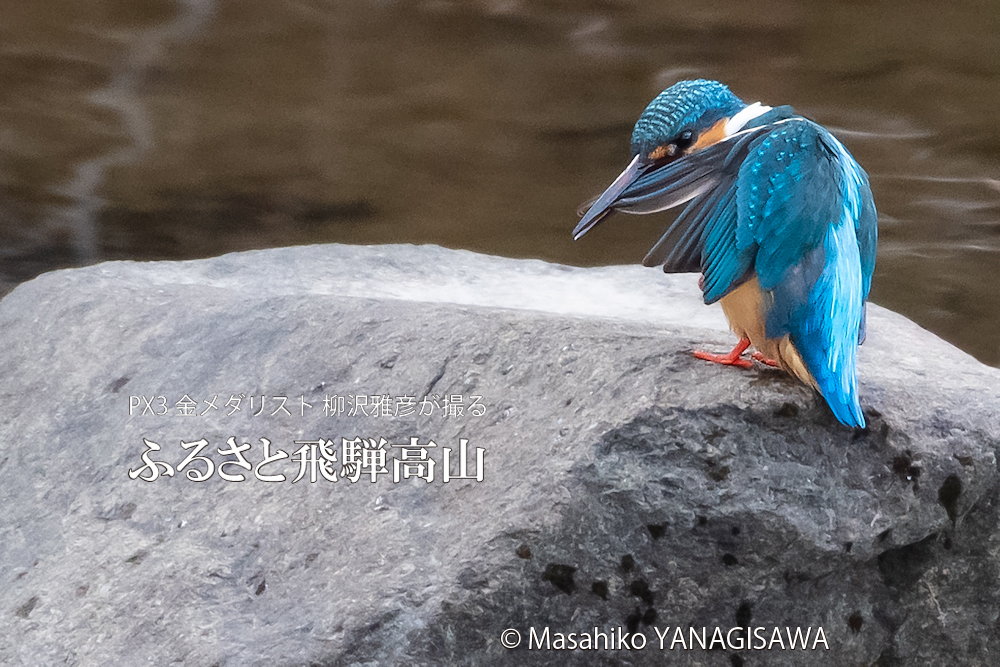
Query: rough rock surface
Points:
[626, 484]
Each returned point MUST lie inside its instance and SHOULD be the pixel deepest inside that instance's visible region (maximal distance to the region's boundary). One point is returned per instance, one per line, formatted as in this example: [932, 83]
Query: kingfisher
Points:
[779, 220]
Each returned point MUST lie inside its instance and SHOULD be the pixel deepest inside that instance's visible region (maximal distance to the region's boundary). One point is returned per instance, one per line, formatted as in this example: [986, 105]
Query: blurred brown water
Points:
[172, 129]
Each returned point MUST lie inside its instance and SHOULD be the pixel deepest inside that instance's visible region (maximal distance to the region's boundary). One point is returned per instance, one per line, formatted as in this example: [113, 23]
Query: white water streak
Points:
[122, 96]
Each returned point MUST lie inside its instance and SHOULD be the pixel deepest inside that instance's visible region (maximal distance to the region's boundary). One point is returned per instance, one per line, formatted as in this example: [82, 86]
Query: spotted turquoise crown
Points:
[683, 106]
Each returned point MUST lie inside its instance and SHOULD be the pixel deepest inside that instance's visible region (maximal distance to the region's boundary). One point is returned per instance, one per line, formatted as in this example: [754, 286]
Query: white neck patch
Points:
[736, 123]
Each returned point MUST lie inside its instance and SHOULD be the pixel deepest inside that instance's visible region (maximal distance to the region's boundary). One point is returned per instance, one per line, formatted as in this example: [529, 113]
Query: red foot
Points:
[731, 359]
[764, 360]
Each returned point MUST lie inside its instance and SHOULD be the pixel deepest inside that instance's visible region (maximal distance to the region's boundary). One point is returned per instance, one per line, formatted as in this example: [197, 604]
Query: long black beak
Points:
[602, 207]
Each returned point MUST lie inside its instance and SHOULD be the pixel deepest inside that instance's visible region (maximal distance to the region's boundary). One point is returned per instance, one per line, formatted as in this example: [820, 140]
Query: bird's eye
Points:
[685, 139]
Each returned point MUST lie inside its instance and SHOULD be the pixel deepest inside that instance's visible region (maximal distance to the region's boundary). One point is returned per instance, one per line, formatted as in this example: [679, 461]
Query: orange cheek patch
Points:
[712, 135]
[661, 152]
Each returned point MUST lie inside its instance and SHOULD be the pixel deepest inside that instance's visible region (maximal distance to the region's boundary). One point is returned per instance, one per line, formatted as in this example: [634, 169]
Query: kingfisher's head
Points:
[685, 117]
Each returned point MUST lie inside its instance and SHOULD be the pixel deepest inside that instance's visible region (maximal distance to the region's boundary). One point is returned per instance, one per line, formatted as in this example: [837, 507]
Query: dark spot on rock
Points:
[389, 363]
[884, 535]
[735, 531]
[903, 566]
[787, 410]
[628, 563]
[657, 530]
[116, 386]
[632, 620]
[947, 543]
[948, 495]
[736, 660]
[82, 590]
[848, 546]
[27, 607]
[311, 558]
[729, 560]
[640, 589]
[855, 621]
[138, 557]
[523, 551]
[901, 463]
[560, 576]
[718, 474]
[702, 521]
[743, 614]
[480, 358]
[877, 431]
[903, 466]
[600, 589]
[649, 617]
[258, 583]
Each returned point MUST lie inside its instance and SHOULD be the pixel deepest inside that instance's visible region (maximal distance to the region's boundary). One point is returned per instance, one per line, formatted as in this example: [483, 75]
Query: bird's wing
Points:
[798, 183]
[669, 186]
[703, 237]
[805, 205]
[789, 193]
[680, 249]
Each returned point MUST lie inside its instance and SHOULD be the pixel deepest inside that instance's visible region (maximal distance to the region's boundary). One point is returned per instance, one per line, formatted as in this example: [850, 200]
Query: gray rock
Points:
[626, 484]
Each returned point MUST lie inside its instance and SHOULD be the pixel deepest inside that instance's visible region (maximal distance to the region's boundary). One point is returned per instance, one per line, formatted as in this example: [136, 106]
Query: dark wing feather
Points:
[703, 237]
[668, 186]
[725, 265]
[679, 249]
